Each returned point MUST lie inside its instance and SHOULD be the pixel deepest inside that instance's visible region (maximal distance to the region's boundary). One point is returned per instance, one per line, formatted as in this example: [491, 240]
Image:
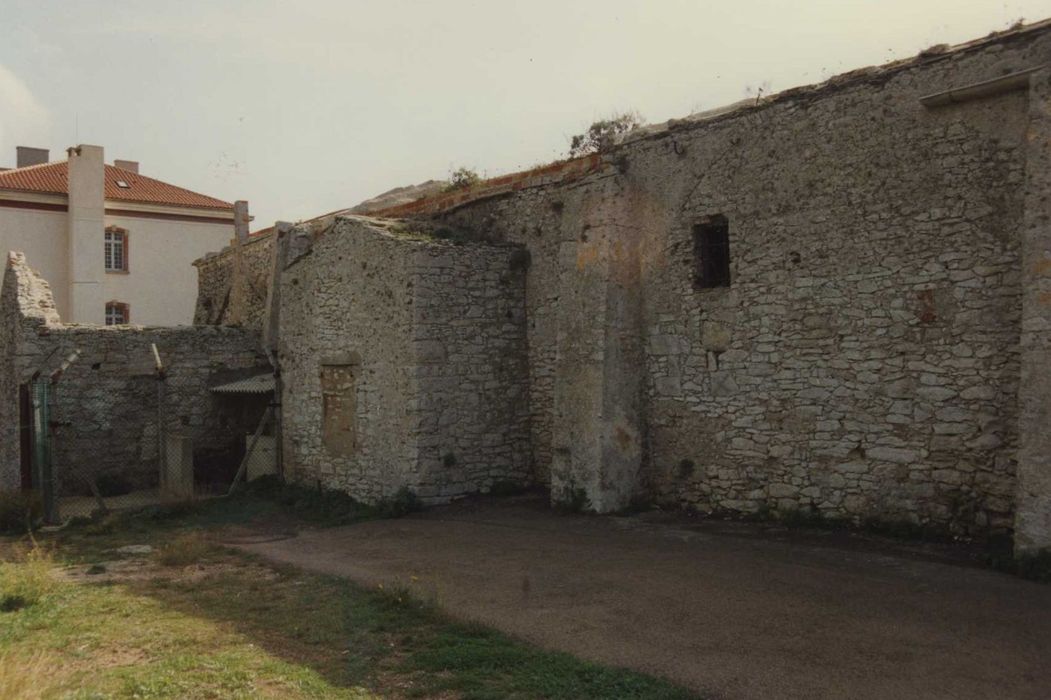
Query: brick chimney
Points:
[132, 166]
[27, 155]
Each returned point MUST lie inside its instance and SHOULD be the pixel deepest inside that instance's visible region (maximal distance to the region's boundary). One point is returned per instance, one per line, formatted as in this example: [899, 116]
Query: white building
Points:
[116, 246]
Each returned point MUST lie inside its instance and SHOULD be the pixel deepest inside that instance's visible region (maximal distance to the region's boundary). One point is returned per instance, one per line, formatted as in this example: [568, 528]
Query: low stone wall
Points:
[403, 361]
[105, 405]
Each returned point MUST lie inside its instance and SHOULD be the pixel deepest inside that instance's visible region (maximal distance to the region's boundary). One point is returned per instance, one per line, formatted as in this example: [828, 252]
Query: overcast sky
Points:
[308, 106]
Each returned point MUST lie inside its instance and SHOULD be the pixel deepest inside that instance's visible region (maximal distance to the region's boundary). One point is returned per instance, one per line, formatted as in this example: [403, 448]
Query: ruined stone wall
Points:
[104, 406]
[864, 361]
[26, 305]
[232, 285]
[416, 347]
[349, 304]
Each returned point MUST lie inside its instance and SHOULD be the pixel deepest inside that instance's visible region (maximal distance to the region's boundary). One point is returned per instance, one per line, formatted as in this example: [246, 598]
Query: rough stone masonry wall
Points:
[1033, 519]
[471, 373]
[864, 361]
[26, 304]
[105, 405]
[232, 285]
[433, 333]
[347, 302]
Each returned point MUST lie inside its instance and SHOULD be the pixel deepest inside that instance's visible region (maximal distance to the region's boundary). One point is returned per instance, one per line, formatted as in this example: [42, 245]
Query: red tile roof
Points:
[51, 178]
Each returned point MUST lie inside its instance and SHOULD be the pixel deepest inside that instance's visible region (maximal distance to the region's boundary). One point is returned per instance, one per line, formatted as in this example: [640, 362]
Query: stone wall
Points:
[105, 405]
[469, 323]
[882, 350]
[864, 362]
[232, 284]
[426, 338]
[1033, 521]
[26, 306]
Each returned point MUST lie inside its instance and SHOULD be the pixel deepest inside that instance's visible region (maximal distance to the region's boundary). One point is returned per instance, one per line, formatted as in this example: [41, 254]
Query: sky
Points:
[310, 106]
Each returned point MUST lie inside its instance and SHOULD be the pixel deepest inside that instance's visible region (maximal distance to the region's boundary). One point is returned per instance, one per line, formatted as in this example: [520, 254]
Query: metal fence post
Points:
[279, 419]
[162, 446]
[41, 403]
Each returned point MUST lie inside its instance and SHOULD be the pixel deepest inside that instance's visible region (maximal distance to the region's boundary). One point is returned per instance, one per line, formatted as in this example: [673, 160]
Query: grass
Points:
[26, 579]
[265, 499]
[195, 620]
[17, 508]
[184, 549]
[26, 678]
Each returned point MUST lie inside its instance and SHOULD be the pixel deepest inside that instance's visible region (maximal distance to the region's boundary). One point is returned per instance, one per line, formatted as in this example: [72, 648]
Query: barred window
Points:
[117, 313]
[116, 249]
[711, 253]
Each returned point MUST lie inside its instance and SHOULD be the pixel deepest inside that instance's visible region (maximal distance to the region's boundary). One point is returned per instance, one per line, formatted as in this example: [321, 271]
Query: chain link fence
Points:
[129, 440]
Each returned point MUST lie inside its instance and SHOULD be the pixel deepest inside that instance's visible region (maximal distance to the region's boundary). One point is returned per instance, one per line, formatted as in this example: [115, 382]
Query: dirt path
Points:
[730, 616]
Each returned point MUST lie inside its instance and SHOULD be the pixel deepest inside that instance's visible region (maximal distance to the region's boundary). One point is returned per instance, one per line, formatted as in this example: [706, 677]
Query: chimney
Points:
[86, 221]
[27, 155]
[241, 220]
[132, 166]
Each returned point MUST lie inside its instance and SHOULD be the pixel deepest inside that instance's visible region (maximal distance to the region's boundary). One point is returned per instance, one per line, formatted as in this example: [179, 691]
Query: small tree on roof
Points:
[462, 179]
[602, 135]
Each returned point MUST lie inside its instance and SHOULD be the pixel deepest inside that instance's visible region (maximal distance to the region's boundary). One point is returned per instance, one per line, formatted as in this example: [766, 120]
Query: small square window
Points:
[117, 313]
[711, 253]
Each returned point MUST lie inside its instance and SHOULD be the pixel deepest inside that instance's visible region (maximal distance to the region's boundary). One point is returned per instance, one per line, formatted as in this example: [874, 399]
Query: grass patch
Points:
[26, 677]
[266, 499]
[319, 506]
[235, 626]
[184, 549]
[26, 579]
[18, 509]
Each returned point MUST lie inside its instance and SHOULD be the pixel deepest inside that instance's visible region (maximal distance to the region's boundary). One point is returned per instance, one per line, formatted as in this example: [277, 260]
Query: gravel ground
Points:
[730, 611]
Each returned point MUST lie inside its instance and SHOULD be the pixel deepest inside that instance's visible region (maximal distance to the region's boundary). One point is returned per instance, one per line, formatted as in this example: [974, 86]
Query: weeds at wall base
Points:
[505, 487]
[265, 497]
[18, 509]
[998, 549]
[1034, 567]
[572, 499]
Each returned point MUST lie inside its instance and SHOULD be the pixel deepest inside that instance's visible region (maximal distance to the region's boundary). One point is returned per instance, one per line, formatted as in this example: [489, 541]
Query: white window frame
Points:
[117, 313]
[116, 249]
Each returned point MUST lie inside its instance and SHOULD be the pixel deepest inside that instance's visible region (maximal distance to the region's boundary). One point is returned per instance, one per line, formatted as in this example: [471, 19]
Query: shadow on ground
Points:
[376, 636]
[717, 608]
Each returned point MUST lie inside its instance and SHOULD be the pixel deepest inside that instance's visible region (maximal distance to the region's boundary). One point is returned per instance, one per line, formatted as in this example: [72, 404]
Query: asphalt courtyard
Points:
[731, 611]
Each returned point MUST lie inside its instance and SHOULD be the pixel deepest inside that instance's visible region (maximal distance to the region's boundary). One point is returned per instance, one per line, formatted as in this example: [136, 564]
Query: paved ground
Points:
[713, 607]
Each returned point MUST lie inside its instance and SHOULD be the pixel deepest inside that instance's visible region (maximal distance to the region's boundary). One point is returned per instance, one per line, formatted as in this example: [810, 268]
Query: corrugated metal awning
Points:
[259, 384]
